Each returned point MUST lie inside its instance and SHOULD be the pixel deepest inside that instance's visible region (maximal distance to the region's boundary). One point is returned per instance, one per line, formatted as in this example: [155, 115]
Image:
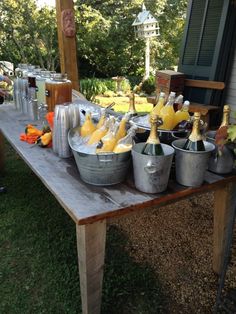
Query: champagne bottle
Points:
[226, 113]
[153, 146]
[132, 109]
[222, 132]
[195, 142]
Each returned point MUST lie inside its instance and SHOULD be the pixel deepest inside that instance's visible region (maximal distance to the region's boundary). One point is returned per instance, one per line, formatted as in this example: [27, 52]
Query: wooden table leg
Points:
[225, 201]
[91, 241]
[1, 152]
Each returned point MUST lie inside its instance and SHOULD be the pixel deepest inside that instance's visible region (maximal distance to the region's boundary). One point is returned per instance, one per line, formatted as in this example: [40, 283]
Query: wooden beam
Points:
[204, 84]
[67, 44]
[91, 241]
[225, 201]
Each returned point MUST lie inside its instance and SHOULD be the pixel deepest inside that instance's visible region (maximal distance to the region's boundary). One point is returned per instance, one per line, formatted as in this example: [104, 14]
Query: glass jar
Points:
[58, 90]
[40, 86]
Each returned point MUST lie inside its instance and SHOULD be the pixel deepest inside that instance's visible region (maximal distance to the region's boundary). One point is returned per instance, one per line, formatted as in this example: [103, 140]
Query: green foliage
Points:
[107, 45]
[28, 34]
[90, 88]
[149, 85]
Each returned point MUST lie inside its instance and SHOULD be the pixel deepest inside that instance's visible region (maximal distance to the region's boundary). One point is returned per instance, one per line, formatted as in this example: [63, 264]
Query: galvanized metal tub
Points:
[151, 173]
[191, 166]
[101, 169]
[220, 163]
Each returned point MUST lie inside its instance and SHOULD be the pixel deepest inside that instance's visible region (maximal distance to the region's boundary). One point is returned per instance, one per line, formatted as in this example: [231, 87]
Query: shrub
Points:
[149, 85]
[90, 88]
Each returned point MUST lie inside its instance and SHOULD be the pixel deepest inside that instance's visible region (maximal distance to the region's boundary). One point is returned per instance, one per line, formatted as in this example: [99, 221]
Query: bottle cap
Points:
[186, 103]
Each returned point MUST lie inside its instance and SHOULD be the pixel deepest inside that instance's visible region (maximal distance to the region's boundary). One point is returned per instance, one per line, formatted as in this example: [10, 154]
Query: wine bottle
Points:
[195, 142]
[153, 146]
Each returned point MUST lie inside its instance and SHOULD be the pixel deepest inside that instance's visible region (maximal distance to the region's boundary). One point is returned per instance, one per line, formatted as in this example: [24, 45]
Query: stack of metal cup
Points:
[65, 118]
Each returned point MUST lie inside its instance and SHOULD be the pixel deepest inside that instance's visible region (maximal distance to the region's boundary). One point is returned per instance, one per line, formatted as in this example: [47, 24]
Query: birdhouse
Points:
[145, 24]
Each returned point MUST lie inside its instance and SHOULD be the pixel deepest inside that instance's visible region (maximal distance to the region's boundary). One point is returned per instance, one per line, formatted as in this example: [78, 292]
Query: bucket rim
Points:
[209, 147]
[172, 151]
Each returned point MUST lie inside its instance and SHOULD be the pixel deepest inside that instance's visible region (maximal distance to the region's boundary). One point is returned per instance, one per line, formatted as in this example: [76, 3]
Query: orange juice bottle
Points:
[122, 126]
[108, 142]
[182, 114]
[98, 133]
[102, 118]
[88, 127]
[167, 113]
[125, 144]
[160, 104]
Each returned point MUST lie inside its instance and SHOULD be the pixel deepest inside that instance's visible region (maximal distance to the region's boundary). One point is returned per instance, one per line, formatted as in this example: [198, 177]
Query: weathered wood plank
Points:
[91, 241]
[86, 203]
[204, 84]
[225, 202]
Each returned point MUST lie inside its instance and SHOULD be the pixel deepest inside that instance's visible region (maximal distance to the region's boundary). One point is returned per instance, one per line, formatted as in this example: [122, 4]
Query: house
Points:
[208, 50]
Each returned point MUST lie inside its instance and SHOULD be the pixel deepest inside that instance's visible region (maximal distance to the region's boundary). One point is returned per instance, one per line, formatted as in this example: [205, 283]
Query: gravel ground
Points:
[176, 241]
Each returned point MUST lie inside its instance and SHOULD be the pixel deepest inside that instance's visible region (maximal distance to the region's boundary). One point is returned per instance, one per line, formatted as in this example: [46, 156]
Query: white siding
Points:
[231, 90]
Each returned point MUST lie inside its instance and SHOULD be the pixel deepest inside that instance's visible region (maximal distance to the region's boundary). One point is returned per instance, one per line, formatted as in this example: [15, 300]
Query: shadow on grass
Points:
[38, 265]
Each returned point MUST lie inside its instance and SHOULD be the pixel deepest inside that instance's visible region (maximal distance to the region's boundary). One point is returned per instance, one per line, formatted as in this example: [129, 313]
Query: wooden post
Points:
[225, 201]
[67, 41]
[91, 252]
[1, 153]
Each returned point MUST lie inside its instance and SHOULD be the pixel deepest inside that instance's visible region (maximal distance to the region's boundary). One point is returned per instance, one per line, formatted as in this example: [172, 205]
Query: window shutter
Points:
[203, 44]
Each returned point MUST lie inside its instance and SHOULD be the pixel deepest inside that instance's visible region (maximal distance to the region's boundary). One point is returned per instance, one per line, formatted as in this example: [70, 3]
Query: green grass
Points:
[38, 258]
[122, 103]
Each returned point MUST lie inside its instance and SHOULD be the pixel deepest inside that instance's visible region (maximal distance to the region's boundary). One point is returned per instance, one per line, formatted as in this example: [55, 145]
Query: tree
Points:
[106, 36]
[28, 34]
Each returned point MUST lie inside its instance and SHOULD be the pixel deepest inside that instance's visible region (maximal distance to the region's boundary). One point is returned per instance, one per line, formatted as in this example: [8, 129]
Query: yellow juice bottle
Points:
[88, 127]
[160, 104]
[98, 133]
[108, 142]
[102, 118]
[122, 126]
[125, 144]
[182, 114]
[167, 113]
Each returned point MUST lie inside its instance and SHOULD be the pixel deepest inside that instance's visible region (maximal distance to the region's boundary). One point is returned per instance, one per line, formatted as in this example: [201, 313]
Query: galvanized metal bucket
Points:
[220, 163]
[191, 166]
[100, 169]
[151, 173]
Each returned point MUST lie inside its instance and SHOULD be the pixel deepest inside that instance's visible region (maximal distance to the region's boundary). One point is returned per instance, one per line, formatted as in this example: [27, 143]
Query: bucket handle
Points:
[151, 168]
[105, 157]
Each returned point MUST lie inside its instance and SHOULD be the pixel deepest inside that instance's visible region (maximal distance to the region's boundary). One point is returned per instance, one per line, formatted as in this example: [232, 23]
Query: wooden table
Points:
[90, 207]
